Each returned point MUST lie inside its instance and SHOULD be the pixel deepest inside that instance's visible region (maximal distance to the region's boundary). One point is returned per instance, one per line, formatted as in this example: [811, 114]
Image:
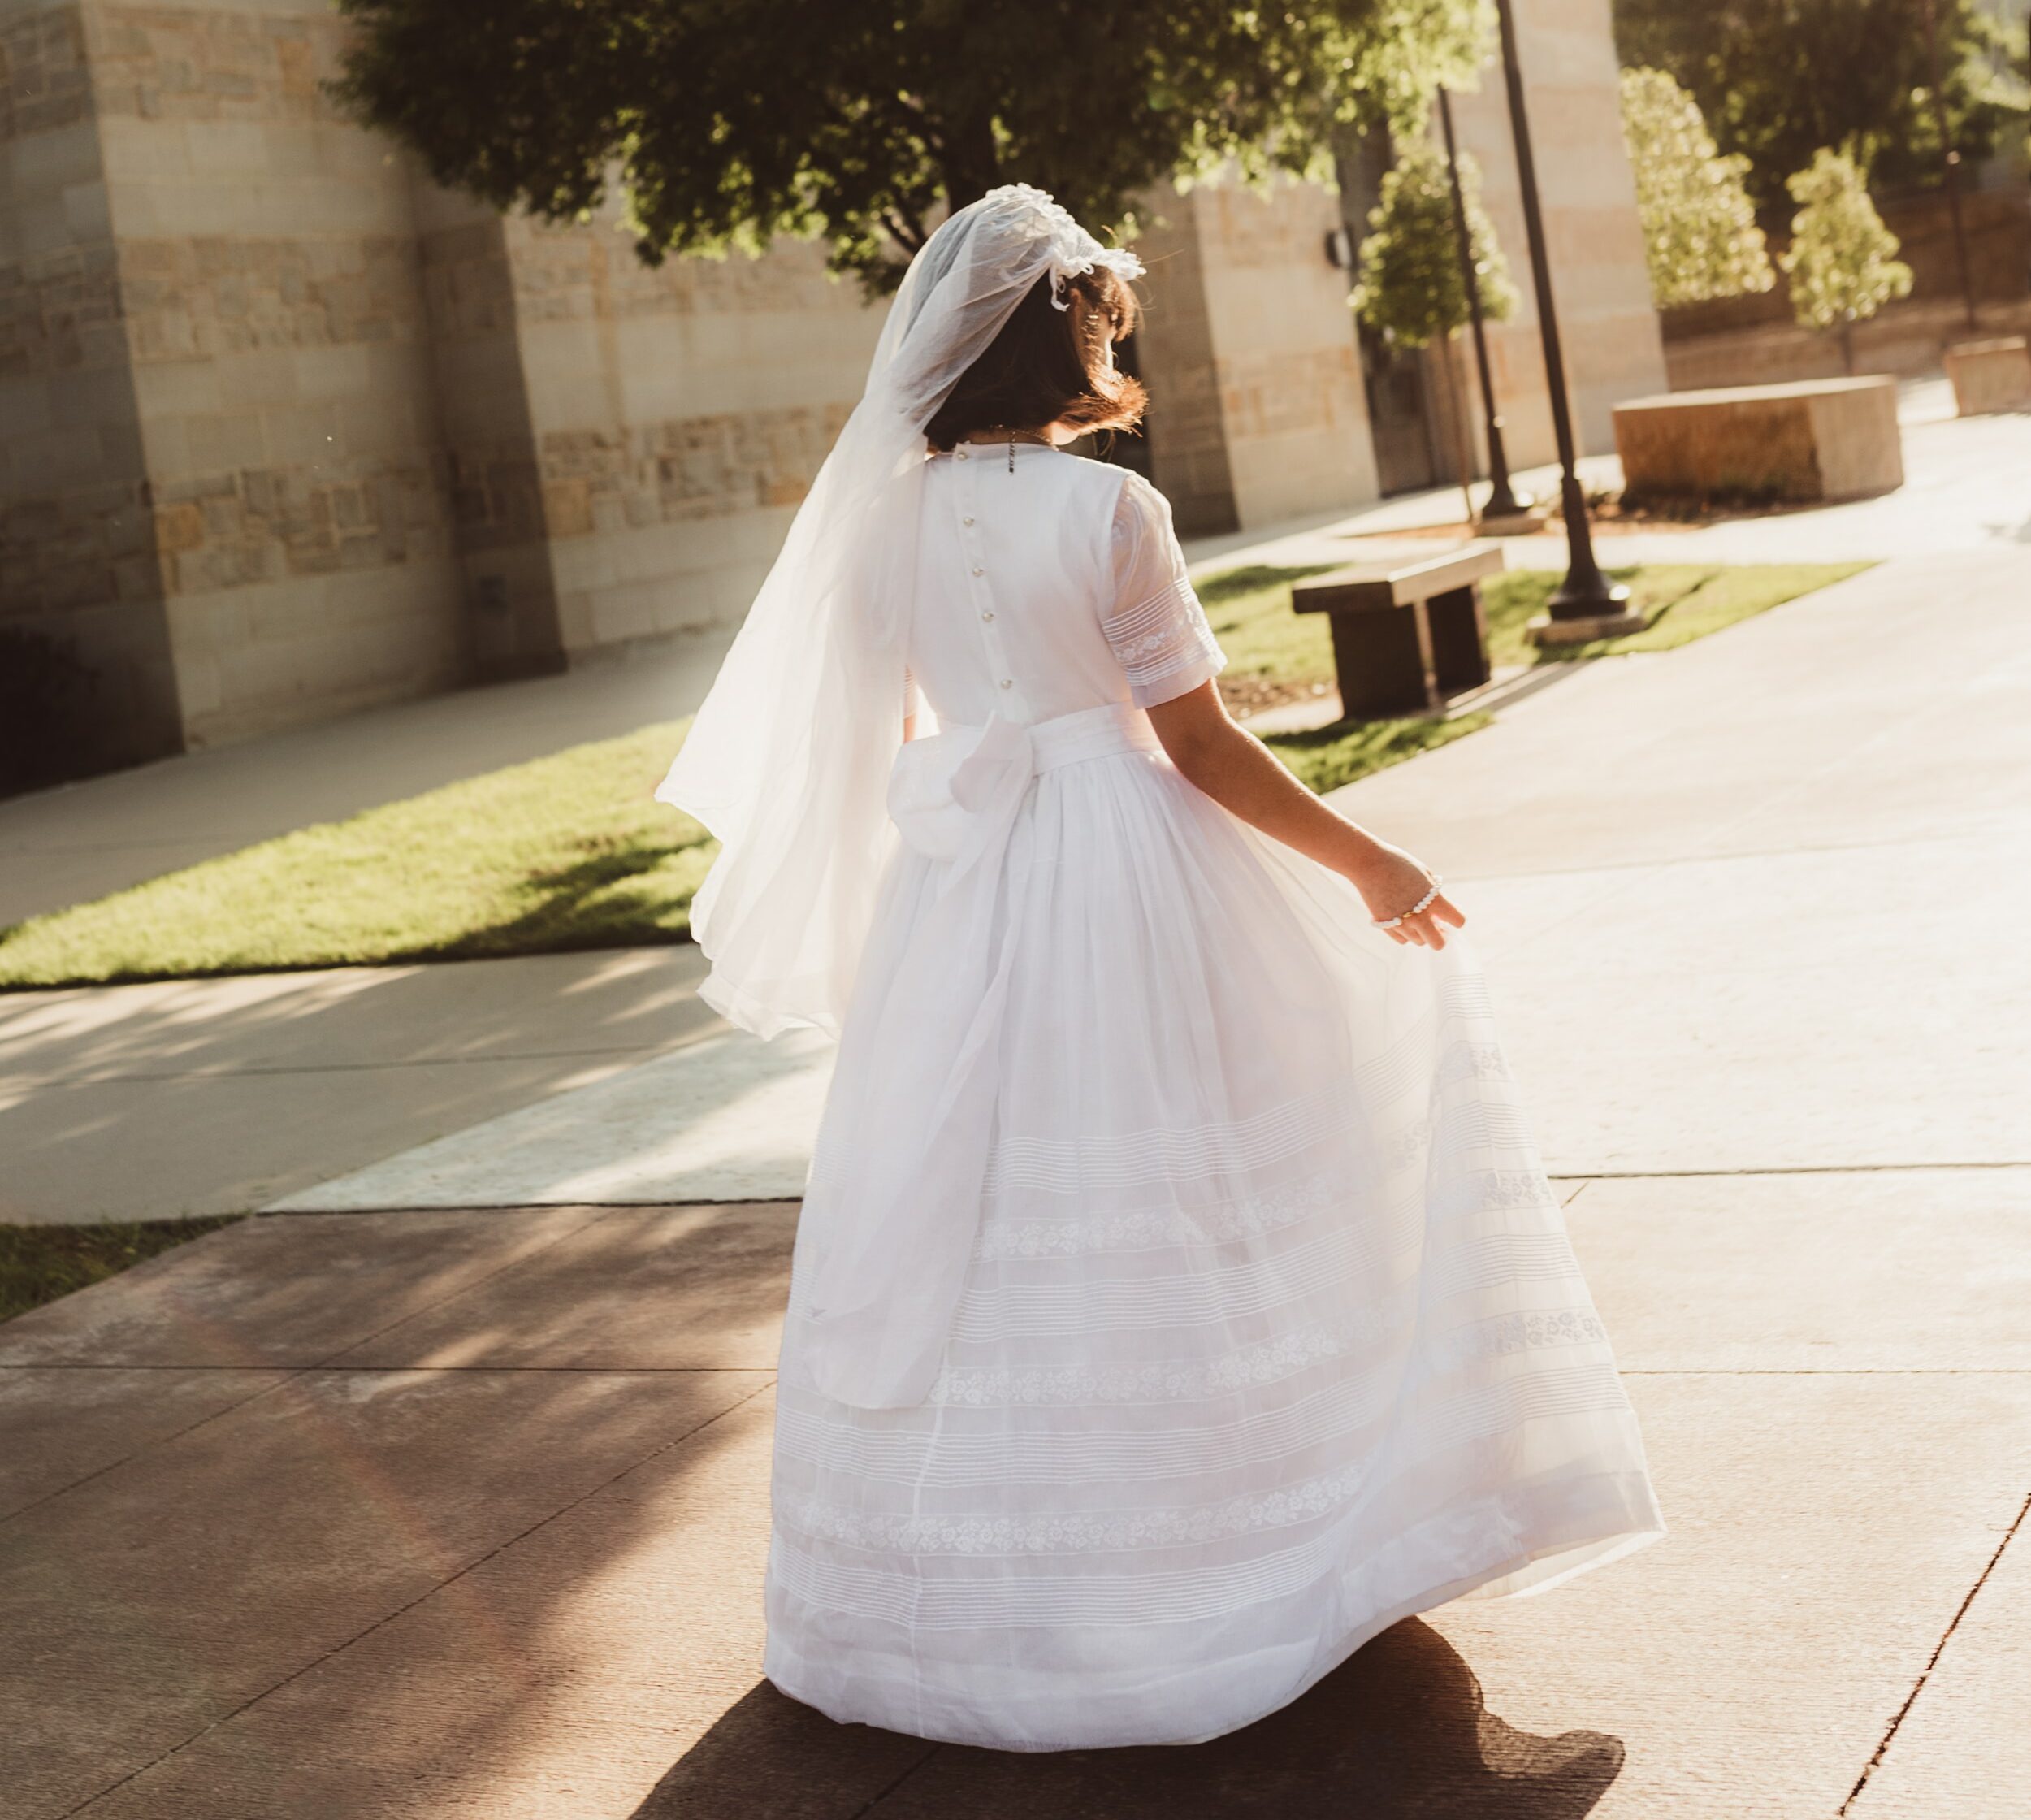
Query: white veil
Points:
[788, 761]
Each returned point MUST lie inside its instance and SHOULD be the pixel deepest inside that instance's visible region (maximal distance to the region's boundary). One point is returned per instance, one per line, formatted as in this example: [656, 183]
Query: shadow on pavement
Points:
[1400, 1732]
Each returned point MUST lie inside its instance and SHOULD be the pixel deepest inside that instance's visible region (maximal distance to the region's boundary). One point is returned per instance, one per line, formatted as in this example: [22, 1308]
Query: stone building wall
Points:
[677, 415]
[270, 288]
[1186, 432]
[78, 572]
[1257, 414]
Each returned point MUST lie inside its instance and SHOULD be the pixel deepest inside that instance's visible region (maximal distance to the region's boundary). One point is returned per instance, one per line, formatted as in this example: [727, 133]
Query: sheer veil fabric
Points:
[788, 759]
[1178, 1298]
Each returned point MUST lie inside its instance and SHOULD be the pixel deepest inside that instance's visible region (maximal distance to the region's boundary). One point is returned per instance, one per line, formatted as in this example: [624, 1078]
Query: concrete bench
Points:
[1408, 634]
[1990, 375]
[1814, 438]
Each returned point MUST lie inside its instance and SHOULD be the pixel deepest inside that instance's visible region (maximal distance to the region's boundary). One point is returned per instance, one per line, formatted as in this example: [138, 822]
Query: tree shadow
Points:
[1401, 1731]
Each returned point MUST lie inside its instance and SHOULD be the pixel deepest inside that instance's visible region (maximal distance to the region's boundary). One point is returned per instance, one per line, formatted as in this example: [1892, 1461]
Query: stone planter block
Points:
[1812, 439]
[1990, 375]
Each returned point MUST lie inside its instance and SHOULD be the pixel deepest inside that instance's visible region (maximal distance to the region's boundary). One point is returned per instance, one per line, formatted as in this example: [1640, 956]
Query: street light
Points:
[1586, 595]
[1503, 501]
[1951, 158]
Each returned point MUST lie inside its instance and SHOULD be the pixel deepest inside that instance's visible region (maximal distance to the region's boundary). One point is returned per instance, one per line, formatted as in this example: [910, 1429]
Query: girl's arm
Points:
[1239, 772]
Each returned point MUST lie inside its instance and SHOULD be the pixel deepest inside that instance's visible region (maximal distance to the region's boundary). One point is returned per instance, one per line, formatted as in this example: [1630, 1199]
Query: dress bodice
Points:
[1048, 584]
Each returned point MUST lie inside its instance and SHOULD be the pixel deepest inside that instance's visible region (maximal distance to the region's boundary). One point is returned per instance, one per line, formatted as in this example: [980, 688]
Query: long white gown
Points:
[1249, 1323]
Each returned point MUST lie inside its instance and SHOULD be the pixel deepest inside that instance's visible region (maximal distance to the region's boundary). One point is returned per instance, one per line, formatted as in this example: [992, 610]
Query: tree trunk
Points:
[1847, 348]
[968, 163]
[1462, 427]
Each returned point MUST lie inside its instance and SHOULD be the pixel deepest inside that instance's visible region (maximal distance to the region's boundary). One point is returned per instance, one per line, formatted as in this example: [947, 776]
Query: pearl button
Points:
[960, 453]
[966, 521]
[1008, 682]
[987, 615]
[980, 571]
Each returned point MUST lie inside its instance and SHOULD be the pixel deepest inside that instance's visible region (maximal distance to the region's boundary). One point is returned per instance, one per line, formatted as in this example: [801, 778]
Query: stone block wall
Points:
[272, 298]
[1186, 431]
[677, 416]
[79, 569]
[1257, 414]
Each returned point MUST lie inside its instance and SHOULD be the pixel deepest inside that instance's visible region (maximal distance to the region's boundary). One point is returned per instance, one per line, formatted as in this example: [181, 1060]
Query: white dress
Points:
[1262, 1329]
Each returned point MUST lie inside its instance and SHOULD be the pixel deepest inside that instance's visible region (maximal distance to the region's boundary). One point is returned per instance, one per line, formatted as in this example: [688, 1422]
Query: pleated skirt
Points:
[1272, 1334]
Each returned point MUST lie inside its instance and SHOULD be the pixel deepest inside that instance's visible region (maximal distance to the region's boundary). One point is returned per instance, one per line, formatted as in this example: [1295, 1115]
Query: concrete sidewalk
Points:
[462, 1512]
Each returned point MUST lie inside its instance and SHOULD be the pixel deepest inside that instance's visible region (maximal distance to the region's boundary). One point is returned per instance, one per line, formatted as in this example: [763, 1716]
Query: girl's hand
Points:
[1390, 882]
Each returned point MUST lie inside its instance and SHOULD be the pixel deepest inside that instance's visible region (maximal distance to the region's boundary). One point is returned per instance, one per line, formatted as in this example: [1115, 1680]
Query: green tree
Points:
[1410, 288]
[1699, 230]
[1843, 261]
[1778, 79]
[727, 122]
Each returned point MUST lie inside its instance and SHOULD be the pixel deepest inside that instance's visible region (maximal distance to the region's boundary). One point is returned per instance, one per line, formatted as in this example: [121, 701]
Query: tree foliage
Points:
[1777, 80]
[1843, 261]
[1410, 287]
[1700, 231]
[727, 122]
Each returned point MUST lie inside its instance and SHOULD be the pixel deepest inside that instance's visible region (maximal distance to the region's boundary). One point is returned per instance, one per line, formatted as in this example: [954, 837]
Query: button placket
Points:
[982, 591]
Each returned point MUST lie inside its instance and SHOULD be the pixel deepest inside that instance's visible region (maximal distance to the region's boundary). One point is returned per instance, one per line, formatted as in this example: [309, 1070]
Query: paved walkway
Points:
[461, 1512]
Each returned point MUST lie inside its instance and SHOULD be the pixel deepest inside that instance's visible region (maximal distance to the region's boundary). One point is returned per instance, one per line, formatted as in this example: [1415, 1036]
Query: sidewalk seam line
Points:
[389, 1618]
[1780, 1169]
[298, 1369]
[1981, 1580]
[889, 1788]
[226, 1073]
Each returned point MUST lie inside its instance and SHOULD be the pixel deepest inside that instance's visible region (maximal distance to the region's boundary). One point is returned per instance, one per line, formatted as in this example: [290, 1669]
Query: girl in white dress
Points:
[1178, 1300]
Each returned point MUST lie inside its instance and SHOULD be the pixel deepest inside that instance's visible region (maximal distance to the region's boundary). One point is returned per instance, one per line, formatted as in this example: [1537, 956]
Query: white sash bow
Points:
[893, 1238]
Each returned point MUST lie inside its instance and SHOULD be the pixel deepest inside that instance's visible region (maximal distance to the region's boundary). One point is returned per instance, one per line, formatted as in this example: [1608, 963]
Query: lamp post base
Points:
[1520, 522]
[1549, 633]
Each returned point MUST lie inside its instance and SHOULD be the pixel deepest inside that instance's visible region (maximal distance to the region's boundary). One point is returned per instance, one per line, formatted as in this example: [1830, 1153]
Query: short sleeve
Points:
[1156, 627]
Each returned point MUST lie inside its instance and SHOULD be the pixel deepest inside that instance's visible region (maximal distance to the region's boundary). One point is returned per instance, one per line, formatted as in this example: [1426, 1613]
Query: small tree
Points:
[1843, 261]
[1700, 231]
[1410, 287]
[1777, 79]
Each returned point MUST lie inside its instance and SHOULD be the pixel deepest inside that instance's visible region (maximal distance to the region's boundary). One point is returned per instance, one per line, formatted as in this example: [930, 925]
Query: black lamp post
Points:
[1504, 502]
[1952, 159]
[1585, 593]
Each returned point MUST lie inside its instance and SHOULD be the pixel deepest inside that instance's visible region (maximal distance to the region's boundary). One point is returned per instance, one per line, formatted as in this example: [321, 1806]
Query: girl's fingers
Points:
[1428, 927]
[1444, 911]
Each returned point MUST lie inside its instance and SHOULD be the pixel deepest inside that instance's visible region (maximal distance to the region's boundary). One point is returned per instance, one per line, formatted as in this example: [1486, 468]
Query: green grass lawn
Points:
[570, 852]
[39, 1263]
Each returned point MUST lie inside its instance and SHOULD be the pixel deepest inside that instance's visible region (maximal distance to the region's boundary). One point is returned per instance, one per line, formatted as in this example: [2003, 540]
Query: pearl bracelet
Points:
[1417, 909]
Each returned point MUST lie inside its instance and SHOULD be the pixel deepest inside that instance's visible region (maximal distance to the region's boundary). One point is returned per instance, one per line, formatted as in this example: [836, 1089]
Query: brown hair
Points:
[1049, 365]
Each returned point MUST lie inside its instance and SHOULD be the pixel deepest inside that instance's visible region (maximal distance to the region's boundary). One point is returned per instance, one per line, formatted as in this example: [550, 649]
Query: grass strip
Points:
[565, 852]
[39, 1263]
[1333, 756]
[1249, 609]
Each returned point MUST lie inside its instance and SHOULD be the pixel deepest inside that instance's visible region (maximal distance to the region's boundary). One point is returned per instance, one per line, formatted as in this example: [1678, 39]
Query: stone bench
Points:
[1990, 375]
[1812, 439]
[1405, 635]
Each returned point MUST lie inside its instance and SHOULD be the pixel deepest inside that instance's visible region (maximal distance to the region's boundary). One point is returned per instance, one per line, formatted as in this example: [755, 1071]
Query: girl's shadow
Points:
[1399, 1732]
